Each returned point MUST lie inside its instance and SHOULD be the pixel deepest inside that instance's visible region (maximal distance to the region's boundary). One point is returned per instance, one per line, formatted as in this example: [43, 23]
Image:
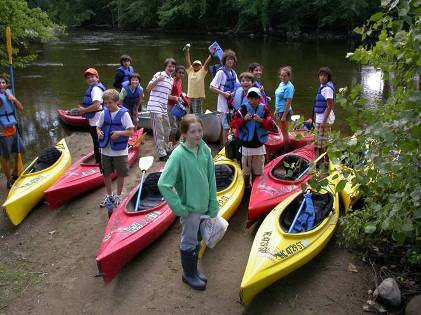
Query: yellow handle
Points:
[9, 44]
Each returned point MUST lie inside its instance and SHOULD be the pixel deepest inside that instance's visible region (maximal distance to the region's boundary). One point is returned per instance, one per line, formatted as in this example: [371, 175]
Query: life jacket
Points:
[239, 98]
[110, 125]
[321, 103]
[87, 99]
[248, 130]
[7, 112]
[263, 99]
[125, 72]
[131, 98]
[306, 219]
[230, 83]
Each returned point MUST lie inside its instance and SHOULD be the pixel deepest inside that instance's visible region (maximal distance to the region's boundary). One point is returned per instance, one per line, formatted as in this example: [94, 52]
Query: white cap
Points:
[255, 90]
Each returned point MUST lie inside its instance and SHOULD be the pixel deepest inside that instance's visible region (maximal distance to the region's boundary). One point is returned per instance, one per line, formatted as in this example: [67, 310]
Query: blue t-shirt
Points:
[282, 94]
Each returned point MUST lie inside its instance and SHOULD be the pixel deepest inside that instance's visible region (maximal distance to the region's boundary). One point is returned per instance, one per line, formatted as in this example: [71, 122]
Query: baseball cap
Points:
[254, 90]
[197, 62]
[91, 71]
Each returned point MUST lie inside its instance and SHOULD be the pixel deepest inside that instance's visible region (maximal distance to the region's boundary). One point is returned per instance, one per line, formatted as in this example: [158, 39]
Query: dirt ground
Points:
[47, 266]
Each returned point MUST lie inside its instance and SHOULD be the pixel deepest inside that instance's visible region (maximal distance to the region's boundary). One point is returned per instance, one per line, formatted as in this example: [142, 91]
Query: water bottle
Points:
[186, 47]
[109, 206]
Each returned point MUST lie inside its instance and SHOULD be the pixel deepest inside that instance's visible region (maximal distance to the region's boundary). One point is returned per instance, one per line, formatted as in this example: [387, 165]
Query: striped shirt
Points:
[158, 97]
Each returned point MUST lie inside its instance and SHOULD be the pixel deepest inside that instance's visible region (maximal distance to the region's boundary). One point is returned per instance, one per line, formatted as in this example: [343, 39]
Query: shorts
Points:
[8, 146]
[196, 105]
[322, 136]
[278, 115]
[252, 164]
[118, 163]
[224, 120]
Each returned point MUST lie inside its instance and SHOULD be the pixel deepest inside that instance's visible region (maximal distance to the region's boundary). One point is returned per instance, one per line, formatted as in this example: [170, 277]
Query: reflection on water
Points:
[372, 84]
[56, 80]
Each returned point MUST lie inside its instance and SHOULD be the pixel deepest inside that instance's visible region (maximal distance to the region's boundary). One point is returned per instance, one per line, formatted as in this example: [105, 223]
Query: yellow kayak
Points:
[229, 196]
[350, 194]
[29, 188]
[276, 252]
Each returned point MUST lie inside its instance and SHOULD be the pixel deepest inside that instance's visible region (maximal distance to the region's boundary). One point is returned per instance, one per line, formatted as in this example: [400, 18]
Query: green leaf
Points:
[377, 16]
[370, 229]
[341, 185]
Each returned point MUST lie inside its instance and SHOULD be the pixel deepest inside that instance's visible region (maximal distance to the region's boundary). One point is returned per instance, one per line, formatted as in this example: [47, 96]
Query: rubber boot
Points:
[189, 263]
[200, 275]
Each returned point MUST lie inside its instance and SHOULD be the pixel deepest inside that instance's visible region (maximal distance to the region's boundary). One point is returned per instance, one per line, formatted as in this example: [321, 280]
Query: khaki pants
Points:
[252, 165]
[161, 131]
[172, 120]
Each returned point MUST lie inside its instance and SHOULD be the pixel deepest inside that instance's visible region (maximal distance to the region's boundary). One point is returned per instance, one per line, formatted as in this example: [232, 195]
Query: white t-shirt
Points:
[158, 98]
[96, 95]
[218, 81]
[327, 93]
[127, 123]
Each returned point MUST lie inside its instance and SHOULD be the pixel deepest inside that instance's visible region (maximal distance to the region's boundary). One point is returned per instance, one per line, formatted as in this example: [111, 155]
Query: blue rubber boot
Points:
[189, 263]
[200, 275]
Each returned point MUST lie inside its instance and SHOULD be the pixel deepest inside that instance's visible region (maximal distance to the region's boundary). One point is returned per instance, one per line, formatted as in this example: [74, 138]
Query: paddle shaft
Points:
[139, 191]
[308, 168]
[297, 215]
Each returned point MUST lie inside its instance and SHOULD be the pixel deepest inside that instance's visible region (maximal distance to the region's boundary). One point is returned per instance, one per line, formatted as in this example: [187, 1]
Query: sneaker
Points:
[103, 203]
[117, 199]
[163, 158]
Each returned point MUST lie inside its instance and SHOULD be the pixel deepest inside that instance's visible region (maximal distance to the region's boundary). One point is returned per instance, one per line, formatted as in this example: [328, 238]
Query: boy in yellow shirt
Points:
[196, 74]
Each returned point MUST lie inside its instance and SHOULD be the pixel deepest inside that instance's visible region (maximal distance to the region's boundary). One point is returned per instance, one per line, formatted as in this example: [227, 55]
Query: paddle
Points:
[144, 164]
[297, 215]
[308, 168]
[19, 162]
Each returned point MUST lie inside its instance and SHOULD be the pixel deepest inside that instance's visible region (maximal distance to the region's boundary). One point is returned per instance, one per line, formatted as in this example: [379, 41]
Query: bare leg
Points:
[284, 130]
[107, 181]
[120, 184]
[6, 168]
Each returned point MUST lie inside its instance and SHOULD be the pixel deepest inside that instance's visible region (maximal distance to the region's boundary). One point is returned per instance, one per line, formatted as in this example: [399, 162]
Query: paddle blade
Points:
[145, 163]
[295, 117]
[9, 44]
[19, 164]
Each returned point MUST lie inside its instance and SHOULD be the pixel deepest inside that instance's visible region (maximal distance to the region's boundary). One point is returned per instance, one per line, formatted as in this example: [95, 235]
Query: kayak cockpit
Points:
[289, 168]
[322, 203]
[150, 197]
[224, 174]
[46, 158]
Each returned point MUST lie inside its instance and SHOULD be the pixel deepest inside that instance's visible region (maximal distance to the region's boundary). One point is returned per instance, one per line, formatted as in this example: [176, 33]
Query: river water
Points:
[55, 80]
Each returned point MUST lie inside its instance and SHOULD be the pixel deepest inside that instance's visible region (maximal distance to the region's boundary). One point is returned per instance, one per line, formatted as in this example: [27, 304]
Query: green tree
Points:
[388, 135]
[28, 26]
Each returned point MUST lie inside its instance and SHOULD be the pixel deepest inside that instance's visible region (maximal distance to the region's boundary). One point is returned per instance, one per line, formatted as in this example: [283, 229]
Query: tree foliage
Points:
[27, 25]
[387, 135]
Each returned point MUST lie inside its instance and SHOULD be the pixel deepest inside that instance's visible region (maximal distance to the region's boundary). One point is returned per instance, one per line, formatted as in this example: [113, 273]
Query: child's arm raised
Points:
[187, 56]
[206, 63]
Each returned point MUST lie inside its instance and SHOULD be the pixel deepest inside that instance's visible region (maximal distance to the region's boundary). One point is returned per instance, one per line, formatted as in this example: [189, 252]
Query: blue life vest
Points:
[111, 125]
[230, 83]
[251, 126]
[264, 96]
[7, 112]
[239, 98]
[131, 98]
[321, 103]
[87, 99]
[306, 219]
[126, 73]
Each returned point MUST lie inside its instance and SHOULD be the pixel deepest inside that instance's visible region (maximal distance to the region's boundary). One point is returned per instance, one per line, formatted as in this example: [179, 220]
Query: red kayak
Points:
[85, 176]
[278, 181]
[129, 232]
[72, 120]
[297, 139]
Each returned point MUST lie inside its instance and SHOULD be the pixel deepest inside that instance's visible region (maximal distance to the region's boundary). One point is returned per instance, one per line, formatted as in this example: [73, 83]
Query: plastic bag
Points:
[212, 229]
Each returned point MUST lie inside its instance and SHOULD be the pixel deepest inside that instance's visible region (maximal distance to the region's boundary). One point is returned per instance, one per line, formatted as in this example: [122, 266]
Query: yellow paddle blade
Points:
[9, 44]
[19, 164]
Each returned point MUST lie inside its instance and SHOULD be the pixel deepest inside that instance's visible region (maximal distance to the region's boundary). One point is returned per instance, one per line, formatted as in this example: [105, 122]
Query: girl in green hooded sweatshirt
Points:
[188, 185]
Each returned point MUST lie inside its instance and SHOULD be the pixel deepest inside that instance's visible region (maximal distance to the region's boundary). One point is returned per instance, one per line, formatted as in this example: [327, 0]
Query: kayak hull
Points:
[75, 121]
[84, 176]
[28, 190]
[275, 253]
[268, 191]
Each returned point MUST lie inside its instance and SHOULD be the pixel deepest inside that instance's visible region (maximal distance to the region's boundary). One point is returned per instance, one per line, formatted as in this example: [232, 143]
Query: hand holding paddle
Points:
[308, 168]
[144, 164]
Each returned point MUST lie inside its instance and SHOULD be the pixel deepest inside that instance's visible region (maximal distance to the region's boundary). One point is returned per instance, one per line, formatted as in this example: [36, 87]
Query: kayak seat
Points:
[45, 159]
[323, 205]
[224, 176]
[151, 196]
[290, 167]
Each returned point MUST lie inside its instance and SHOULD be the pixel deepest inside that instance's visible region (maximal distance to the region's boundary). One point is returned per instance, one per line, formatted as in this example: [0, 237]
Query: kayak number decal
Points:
[279, 254]
[31, 182]
[291, 250]
[136, 226]
[222, 201]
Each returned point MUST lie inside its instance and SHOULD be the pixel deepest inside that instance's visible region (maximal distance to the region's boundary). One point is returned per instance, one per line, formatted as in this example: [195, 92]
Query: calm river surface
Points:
[55, 80]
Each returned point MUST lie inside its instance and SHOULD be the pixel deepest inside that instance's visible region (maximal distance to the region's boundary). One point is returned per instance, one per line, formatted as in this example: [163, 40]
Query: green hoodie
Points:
[193, 178]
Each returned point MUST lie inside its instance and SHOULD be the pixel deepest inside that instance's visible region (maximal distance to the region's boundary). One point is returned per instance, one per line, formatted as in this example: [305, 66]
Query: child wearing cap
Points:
[131, 96]
[123, 72]
[224, 84]
[196, 74]
[323, 110]
[92, 106]
[253, 119]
